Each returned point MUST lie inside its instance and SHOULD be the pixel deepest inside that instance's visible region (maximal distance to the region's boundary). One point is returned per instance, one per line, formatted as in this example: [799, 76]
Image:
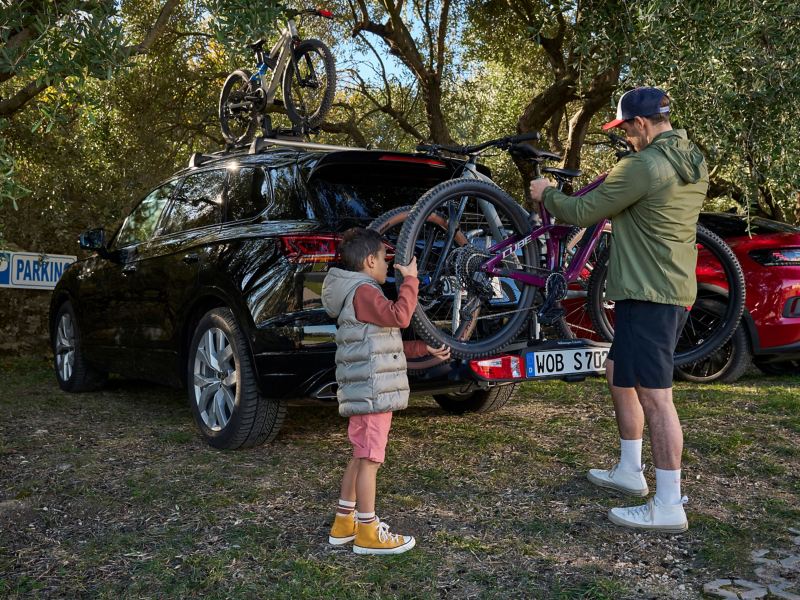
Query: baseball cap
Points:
[639, 102]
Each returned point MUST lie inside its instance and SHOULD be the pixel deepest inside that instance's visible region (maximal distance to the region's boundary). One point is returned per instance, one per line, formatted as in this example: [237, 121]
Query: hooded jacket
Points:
[653, 198]
[370, 363]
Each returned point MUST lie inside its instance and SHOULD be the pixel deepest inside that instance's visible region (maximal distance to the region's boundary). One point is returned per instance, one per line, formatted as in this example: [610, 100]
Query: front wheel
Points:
[725, 365]
[309, 83]
[223, 395]
[705, 330]
[239, 106]
[73, 371]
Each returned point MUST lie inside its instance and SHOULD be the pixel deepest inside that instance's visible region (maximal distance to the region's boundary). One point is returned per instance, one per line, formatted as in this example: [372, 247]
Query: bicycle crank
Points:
[555, 290]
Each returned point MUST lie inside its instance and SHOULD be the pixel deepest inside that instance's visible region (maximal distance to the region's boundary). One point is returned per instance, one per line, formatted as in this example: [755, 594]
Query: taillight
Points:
[310, 248]
[780, 257]
[431, 162]
[500, 367]
[323, 12]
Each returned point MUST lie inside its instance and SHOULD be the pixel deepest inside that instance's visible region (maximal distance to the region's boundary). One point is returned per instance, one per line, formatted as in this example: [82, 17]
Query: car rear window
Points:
[729, 226]
[352, 188]
[350, 204]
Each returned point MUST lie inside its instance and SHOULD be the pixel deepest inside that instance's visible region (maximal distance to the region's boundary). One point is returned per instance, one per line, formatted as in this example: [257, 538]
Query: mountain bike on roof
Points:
[304, 69]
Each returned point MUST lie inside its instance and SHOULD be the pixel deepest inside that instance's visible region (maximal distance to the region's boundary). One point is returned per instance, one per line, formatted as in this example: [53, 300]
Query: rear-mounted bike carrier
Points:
[568, 360]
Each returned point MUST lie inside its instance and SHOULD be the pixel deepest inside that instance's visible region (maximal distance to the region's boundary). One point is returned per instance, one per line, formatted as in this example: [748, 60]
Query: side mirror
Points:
[94, 239]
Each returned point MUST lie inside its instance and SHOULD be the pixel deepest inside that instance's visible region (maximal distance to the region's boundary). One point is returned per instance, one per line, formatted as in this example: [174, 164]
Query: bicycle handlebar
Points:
[502, 143]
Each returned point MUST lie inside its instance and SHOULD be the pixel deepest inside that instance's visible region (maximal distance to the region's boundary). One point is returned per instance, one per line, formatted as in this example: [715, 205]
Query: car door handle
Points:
[190, 259]
[129, 270]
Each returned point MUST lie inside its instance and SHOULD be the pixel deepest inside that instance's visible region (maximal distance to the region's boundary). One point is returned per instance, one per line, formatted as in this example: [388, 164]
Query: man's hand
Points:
[537, 187]
[409, 270]
[442, 353]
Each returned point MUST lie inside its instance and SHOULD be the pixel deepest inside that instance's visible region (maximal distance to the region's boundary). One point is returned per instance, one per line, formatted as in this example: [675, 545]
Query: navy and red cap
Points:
[639, 102]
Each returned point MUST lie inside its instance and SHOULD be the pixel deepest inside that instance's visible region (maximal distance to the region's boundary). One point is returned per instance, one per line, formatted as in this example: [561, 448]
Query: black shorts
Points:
[645, 336]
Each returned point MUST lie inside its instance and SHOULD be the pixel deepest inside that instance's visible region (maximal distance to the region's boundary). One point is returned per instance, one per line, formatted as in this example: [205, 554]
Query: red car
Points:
[769, 332]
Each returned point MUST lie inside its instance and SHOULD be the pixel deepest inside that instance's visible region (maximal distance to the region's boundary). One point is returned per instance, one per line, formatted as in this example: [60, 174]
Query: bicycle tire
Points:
[727, 363]
[240, 76]
[464, 343]
[688, 351]
[297, 114]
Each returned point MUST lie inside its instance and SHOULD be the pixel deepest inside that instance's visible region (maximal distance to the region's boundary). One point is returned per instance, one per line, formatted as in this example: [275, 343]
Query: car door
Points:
[108, 310]
[167, 271]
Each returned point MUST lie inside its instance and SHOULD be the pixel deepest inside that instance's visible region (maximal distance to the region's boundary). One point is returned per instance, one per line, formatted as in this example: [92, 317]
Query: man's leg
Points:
[666, 437]
[626, 476]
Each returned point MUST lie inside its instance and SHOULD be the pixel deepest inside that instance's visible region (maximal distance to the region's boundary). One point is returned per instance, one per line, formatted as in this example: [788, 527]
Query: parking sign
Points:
[28, 270]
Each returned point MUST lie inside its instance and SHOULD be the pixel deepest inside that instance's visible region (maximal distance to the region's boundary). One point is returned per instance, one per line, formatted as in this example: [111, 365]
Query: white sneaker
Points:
[632, 483]
[653, 515]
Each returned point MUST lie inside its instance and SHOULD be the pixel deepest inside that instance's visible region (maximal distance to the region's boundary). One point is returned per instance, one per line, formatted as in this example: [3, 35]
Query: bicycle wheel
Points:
[704, 332]
[459, 305]
[238, 116]
[309, 83]
[728, 362]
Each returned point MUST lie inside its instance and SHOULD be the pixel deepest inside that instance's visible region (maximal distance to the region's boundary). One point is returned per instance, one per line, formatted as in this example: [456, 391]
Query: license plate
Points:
[565, 362]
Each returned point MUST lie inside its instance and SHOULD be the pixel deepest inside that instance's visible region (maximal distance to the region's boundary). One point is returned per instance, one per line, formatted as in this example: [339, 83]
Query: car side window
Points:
[141, 223]
[198, 203]
[286, 203]
[248, 193]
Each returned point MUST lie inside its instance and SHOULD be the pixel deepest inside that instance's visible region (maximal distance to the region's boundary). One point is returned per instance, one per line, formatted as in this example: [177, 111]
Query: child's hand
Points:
[409, 270]
[442, 353]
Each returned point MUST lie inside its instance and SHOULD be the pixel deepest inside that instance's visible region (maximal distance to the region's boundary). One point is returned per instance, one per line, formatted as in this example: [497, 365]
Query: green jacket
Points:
[653, 198]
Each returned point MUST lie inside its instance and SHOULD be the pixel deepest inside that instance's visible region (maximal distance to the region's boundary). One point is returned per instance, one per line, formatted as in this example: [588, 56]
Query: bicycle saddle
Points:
[256, 46]
[563, 172]
[531, 152]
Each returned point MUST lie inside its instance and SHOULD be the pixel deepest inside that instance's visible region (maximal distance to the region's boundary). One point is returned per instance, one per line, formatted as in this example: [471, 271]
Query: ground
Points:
[113, 494]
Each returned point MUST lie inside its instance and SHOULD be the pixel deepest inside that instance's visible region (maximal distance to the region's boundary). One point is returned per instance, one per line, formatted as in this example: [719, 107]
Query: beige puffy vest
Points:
[370, 363]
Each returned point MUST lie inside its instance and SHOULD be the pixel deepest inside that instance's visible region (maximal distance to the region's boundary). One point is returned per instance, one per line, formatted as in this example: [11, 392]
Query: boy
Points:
[371, 373]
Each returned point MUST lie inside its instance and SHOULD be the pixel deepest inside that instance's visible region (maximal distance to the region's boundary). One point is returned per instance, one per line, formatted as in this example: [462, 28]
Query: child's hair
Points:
[357, 244]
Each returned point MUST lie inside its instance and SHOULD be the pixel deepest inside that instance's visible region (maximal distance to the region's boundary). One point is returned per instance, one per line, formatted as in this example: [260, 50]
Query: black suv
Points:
[213, 282]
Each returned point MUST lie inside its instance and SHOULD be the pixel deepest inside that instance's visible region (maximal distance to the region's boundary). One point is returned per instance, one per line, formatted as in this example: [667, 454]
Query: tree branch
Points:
[156, 30]
[11, 105]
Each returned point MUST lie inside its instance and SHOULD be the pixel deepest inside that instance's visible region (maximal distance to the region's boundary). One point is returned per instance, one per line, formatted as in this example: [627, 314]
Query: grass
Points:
[114, 495]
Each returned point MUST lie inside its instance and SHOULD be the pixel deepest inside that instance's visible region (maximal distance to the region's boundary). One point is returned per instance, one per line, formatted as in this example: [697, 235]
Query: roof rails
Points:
[260, 144]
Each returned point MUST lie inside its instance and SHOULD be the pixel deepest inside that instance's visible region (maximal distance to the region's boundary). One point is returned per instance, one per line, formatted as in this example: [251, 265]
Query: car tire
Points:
[222, 390]
[73, 371]
[725, 365]
[786, 367]
[480, 401]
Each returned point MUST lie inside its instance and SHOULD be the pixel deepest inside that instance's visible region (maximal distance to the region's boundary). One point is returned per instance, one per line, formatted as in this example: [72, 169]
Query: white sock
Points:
[668, 486]
[345, 507]
[365, 517]
[630, 455]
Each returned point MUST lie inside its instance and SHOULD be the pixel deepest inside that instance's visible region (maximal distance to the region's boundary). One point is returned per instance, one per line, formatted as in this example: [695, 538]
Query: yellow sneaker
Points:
[374, 538]
[344, 529]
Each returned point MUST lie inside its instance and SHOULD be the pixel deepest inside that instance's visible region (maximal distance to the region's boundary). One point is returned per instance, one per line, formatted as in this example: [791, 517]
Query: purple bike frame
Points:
[553, 235]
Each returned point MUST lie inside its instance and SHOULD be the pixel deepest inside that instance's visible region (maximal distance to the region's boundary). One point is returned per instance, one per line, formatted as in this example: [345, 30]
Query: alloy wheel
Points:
[215, 379]
[65, 347]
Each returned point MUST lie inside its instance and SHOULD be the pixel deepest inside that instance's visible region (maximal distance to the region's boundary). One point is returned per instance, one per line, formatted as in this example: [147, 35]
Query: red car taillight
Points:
[500, 367]
[310, 248]
[418, 160]
[779, 257]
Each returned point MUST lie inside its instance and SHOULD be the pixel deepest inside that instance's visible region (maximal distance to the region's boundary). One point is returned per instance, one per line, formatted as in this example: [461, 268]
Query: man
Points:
[653, 197]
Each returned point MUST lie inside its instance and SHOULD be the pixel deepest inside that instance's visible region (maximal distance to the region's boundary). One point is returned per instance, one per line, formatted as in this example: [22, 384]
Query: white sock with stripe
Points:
[345, 507]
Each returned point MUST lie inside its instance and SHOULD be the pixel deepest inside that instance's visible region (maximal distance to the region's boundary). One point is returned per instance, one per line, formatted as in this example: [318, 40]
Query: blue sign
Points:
[28, 270]
[5, 268]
